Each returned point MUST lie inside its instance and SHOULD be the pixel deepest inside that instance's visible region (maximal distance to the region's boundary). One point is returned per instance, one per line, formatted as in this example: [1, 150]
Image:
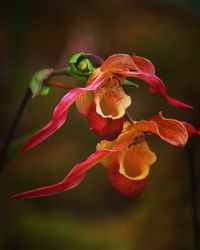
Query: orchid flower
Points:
[103, 100]
[128, 157]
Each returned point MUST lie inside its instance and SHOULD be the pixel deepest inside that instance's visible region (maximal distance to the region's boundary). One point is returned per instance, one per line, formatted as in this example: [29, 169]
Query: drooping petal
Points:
[191, 129]
[118, 62]
[156, 85]
[123, 185]
[135, 161]
[144, 64]
[60, 113]
[111, 100]
[170, 130]
[76, 175]
[106, 128]
[73, 179]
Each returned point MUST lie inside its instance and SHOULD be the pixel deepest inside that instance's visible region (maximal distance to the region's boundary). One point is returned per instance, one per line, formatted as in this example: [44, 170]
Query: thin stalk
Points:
[58, 72]
[94, 58]
[28, 94]
[59, 85]
[193, 193]
[129, 117]
[14, 125]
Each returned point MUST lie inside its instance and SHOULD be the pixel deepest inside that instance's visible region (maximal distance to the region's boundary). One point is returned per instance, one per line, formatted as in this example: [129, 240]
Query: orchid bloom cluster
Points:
[123, 148]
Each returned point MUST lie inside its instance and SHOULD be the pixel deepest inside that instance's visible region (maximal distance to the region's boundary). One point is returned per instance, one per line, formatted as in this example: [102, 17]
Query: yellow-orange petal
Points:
[169, 130]
[124, 138]
[104, 144]
[135, 162]
[111, 100]
[118, 62]
[84, 101]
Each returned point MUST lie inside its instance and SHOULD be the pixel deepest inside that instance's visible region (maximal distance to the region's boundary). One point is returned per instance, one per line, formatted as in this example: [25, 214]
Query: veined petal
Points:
[111, 100]
[135, 161]
[76, 175]
[170, 130]
[144, 64]
[60, 113]
[191, 129]
[106, 128]
[118, 62]
[156, 85]
[123, 185]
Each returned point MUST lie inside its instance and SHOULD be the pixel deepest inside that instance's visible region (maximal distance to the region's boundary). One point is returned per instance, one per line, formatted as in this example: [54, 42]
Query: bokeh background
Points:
[40, 34]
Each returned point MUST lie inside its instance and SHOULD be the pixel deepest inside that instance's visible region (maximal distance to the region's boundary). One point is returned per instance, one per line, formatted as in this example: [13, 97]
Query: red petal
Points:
[106, 128]
[156, 85]
[122, 184]
[144, 64]
[60, 113]
[76, 175]
[118, 62]
[190, 129]
[73, 179]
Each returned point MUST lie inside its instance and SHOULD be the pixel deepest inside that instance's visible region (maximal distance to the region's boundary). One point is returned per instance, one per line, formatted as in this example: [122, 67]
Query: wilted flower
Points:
[128, 158]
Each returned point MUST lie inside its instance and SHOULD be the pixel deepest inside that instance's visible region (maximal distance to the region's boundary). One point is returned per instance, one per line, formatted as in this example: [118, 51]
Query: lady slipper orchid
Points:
[128, 158]
[103, 100]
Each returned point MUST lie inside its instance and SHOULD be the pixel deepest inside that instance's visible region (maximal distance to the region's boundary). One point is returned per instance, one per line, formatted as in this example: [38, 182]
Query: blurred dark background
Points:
[40, 34]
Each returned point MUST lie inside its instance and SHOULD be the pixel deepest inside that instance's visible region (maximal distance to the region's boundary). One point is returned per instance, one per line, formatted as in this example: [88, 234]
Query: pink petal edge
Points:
[156, 85]
[73, 179]
[76, 175]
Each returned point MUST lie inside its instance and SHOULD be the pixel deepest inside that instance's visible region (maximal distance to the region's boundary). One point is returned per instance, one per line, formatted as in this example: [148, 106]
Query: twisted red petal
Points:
[106, 128]
[72, 180]
[60, 113]
[156, 85]
[76, 175]
[191, 129]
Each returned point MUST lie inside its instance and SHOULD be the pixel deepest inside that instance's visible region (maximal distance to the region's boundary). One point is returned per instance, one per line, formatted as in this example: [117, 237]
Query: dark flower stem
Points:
[14, 125]
[58, 72]
[129, 117]
[17, 118]
[194, 192]
[98, 60]
[18, 115]
[24, 102]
